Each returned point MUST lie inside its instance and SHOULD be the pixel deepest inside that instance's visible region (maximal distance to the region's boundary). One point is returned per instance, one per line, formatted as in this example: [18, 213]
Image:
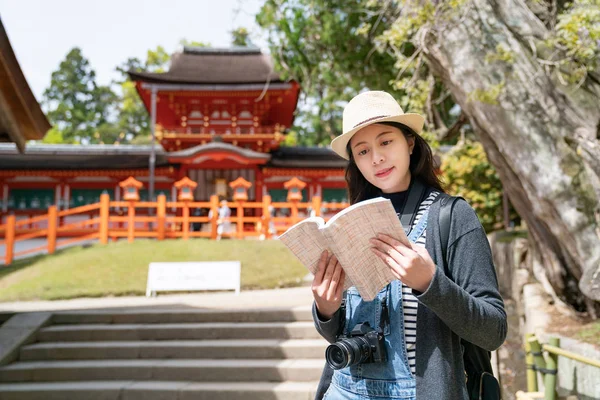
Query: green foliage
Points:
[184, 42]
[142, 139]
[328, 47]
[84, 112]
[53, 136]
[337, 49]
[469, 174]
[487, 96]
[133, 117]
[291, 139]
[240, 37]
[574, 44]
[578, 29]
[75, 104]
[133, 120]
[502, 54]
[157, 60]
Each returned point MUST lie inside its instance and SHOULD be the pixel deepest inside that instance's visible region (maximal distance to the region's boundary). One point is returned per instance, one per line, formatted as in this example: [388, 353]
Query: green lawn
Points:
[119, 269]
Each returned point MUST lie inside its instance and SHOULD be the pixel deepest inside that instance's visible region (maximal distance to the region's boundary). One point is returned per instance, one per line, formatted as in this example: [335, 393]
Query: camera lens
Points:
[336, 356]
[347, 352]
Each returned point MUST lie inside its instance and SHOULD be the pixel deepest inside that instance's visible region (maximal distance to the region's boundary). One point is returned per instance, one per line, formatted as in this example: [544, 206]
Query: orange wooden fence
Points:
[160, 220]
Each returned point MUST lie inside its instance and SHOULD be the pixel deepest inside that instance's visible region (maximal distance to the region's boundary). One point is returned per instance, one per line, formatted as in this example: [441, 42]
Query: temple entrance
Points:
[212, 181]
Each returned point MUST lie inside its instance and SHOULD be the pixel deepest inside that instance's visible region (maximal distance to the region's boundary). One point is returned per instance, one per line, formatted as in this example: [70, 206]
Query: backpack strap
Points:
[416, 194]
[446, 205]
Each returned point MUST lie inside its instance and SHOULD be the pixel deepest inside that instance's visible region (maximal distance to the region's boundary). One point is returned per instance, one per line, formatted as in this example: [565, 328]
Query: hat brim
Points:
[413, 121]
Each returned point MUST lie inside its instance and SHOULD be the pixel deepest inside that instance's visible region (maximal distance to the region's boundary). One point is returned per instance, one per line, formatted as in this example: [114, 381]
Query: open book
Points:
[347, 235]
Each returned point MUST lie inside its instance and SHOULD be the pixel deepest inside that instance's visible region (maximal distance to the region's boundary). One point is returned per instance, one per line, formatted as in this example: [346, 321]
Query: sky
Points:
[42, 32]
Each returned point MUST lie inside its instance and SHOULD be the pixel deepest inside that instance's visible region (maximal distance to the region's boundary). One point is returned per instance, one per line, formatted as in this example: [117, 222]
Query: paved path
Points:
[276, 298]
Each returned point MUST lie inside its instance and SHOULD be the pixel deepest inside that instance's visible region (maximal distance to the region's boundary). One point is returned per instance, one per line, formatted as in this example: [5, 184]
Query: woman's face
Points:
[382, 154]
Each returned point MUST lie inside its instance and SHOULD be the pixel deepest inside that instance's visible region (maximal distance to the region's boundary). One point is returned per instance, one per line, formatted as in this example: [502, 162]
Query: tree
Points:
[133, 118]
[75, 104]
[54, 136]
[192, 43]
[134, 121]
[525, 78]
[240, 37]
[324, 46]
[539, 131]
[468, 174]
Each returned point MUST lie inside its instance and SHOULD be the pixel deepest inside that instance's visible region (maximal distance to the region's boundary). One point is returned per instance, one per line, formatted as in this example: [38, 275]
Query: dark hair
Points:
[421, 167]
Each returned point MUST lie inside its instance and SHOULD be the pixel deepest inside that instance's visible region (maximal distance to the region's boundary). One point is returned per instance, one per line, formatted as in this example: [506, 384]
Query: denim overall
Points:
[389, 380]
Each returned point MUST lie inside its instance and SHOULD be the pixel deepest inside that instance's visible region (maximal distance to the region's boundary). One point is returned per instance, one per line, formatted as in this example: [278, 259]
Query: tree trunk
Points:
[541, 137]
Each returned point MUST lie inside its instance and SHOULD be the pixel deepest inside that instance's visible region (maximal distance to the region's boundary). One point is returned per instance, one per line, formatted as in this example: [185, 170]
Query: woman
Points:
[427, 311]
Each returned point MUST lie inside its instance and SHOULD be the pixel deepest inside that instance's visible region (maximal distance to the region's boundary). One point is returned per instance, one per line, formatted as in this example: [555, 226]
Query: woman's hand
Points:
[328, 285]
[412, 265]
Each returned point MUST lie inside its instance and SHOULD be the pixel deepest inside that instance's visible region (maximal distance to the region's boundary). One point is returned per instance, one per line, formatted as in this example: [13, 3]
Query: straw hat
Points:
[370, 108]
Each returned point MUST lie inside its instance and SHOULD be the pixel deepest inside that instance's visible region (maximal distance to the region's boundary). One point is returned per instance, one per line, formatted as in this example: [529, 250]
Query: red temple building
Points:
[217, 114]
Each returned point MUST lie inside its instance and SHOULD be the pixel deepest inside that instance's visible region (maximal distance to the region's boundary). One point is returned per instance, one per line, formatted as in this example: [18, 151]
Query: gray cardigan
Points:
[468, 305]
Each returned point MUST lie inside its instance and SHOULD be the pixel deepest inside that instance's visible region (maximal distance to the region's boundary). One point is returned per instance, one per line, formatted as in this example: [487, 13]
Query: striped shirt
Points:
[409, 301]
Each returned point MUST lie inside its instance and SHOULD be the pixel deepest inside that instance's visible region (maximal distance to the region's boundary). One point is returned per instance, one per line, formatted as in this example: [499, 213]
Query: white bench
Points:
[188, 276]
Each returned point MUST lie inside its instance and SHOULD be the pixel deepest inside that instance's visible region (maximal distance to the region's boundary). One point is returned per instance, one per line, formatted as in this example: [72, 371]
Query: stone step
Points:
[240, 370]
[182, 349]
[181, 316]
[133, 390]
[184, 331]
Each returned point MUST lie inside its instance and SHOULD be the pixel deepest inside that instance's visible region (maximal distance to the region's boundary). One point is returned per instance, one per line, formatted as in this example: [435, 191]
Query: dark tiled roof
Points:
[214, 66]
[71, 157]
[306, 157]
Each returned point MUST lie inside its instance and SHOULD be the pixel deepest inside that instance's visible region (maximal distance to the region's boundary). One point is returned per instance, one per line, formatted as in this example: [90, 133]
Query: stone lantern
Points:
[240, 189]
[294, 196]
[185, 193]
[240, 194]
[131, 187]
[185, 189]
[294, 187]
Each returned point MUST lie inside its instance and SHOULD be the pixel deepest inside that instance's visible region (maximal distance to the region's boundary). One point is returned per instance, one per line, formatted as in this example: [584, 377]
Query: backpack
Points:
[481, 383]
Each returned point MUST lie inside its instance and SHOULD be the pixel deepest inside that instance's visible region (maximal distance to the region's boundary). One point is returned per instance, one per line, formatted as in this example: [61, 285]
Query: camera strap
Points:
[416, 194]
[342, 314]
[384, 322]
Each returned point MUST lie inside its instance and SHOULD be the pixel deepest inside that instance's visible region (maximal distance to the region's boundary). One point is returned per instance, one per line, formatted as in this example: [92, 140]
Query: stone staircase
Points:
[151, 355]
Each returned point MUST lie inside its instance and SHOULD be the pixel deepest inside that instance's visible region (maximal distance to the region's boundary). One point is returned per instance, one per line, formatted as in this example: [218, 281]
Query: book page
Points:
[306, 242]
[349, 233]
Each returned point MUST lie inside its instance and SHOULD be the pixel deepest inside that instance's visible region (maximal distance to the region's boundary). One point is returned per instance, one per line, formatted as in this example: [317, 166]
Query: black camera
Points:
[363, 345]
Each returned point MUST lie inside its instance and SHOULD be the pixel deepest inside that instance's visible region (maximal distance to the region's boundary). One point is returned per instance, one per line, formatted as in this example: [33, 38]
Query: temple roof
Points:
[306, 157]
[198, 65]
[73, 157]
[217, 146]
[21, 117]
[98, 156]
